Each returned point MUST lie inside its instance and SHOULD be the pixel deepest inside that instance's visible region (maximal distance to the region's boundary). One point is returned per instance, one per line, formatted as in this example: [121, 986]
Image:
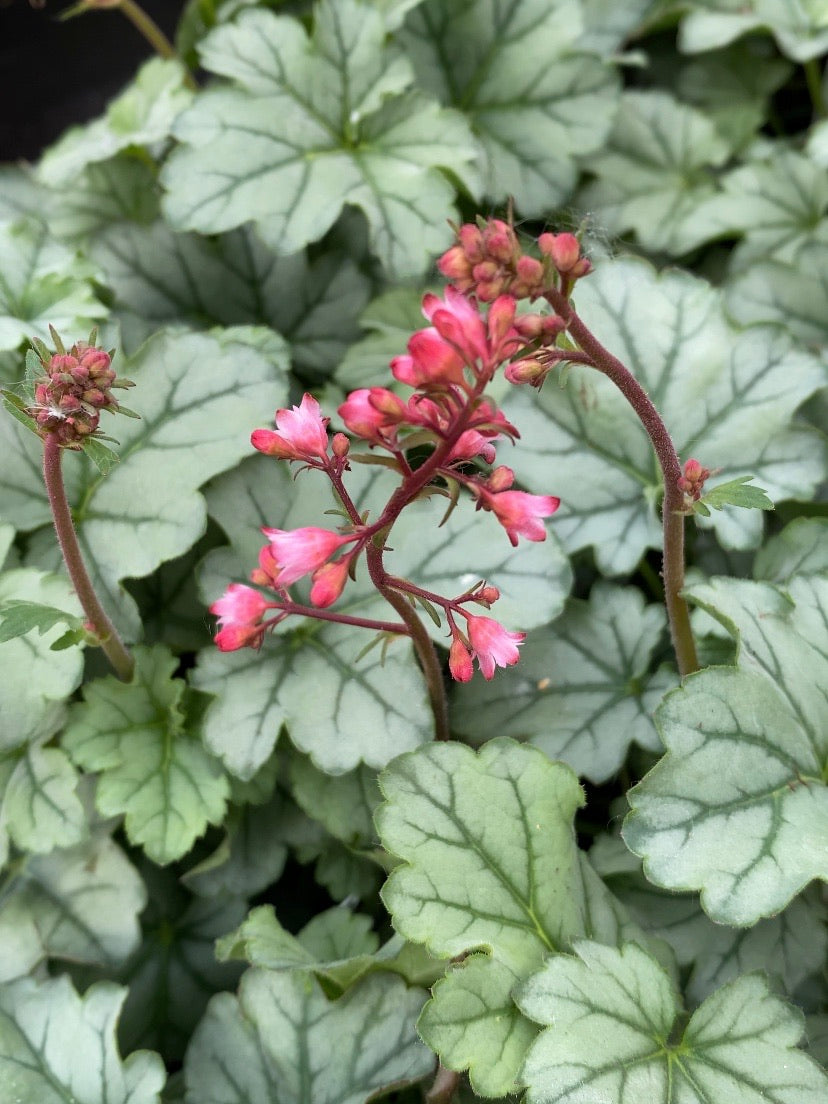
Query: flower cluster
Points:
[448, 366]
[76, 387]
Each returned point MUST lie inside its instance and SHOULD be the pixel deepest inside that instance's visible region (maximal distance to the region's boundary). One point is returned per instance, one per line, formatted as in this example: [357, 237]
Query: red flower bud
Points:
[471, 241]
[340, 445]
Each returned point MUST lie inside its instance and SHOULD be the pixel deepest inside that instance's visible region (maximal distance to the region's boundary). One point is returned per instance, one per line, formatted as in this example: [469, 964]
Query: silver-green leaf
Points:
[328, 122]
[616, 1036]
[281, 1040]
[154, 770]
[738, 807]
[56, 1046]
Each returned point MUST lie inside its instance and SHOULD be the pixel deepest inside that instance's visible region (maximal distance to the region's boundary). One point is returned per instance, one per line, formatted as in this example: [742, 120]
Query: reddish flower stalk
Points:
[65, 411]
[449, 366]
[489, 260]
[113, 647]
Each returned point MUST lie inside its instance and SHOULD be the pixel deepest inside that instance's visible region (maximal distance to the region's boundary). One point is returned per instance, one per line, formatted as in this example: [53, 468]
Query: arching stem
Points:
[672, 514]
[114, 648]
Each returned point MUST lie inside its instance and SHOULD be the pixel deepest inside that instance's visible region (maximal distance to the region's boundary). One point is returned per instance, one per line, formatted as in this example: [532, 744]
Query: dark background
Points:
[53, 73]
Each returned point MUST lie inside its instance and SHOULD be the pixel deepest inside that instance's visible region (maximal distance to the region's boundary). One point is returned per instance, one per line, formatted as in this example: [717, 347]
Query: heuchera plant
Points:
[416, 823]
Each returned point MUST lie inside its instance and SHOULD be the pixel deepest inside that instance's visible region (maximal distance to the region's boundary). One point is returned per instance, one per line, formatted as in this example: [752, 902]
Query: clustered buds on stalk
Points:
[448, 365]
[75, 387]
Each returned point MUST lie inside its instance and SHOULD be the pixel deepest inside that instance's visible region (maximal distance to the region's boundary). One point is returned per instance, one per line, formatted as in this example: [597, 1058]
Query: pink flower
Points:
[240, 611]
[298, 552]
[492, 645]
[373, 413]
[303, 433]
[329, 581]
[457, 320]
[460, 661]
[519, 513]
[470, 444]
[430, 360]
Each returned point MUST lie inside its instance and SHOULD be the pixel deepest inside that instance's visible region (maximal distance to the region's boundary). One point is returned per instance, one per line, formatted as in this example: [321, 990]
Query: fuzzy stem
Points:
[413, 625]
[147, 26]
[114, 649]
[422, 641]
[672, 516]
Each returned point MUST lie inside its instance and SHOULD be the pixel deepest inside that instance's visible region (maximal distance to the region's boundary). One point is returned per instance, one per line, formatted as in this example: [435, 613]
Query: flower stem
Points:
[114, 649]
[298, 610]
[426, 652]
[147, 26]
[672, 516]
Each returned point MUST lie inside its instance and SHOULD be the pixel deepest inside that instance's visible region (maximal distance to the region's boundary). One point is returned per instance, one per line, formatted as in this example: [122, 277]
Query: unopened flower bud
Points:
[93, 358]
[485, 271]
[553, 325]
[528, 371]
[487, 292]
[501, 479]
[487, 596]
[529, 277]
[471, 241]
[529, 326]
[692, 480]
[499, 241]
[455, 265]
[60, 363]
[340, 446]
[564, 249]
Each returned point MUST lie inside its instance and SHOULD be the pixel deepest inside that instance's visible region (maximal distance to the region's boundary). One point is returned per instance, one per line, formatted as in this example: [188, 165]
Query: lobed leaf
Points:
[534, 102]
[273, 1042]
[57, 1046]
[43, 284]
[79, 903]
[173, 973]
[788, 947]
[328, 122]
[654, 173]
[337, 711]
[337, 945]
[489, 862]
[800, 549]
[159, 277]
[617, 1036]
[34, 680]
[142, 115]
[799, 28]
[777, 204]
[794, 295]
[738, 807]
[153, 770]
